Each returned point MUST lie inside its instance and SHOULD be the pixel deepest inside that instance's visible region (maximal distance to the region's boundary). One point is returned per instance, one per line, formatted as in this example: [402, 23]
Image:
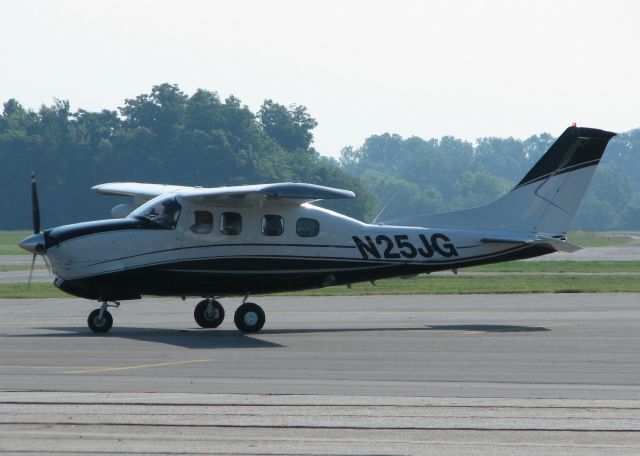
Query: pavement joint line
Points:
[17, 366]
[330, 427]
[322, 405]
[139, 366]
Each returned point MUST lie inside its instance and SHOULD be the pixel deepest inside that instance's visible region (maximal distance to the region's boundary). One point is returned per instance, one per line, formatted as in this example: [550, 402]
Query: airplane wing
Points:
[141, 192]
[280, 193]
[243, 195]
[558, 244]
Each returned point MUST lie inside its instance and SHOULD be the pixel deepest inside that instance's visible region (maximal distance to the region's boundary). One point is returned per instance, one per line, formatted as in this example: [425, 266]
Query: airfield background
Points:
[167, 136]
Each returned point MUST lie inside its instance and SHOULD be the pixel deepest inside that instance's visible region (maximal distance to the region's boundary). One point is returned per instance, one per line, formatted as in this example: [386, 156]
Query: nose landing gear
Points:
[100, 320]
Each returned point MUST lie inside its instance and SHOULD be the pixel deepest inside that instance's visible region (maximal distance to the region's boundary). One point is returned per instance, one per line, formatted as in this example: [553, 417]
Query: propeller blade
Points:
[46, 262]
[35, 207]
[33, 262]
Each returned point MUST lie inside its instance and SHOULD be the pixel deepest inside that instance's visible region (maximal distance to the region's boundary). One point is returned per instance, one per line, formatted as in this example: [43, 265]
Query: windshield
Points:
[163, 211]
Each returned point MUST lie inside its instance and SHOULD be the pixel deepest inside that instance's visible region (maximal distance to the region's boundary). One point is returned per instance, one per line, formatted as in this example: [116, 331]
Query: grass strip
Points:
[19, 267]
[595, 239]
[9, 242]
[37, 290]
[541, 283]
[12, 250]
[559, 266]
[565, 283]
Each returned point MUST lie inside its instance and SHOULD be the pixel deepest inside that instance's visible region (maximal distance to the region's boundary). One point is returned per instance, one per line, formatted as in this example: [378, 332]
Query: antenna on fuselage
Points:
[375, 220]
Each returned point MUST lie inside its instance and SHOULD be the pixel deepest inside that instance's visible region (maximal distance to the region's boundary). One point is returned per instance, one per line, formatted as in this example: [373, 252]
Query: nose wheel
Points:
[209, 313]
[100, 320]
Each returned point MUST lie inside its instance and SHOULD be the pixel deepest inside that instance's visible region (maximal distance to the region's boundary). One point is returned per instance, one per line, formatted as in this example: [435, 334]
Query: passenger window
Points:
[307, 227]
[230, 223]
[203, 222]
[272, 225]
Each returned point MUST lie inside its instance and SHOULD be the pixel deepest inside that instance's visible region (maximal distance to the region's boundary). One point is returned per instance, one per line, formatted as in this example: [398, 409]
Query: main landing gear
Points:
[100, 320]
[209, 313]
[249, 317]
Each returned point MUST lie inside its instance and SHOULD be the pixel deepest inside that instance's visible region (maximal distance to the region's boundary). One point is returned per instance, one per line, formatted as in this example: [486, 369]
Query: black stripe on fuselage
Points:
[206, 246]
[58, 235]
[242, 262]
[157, 280]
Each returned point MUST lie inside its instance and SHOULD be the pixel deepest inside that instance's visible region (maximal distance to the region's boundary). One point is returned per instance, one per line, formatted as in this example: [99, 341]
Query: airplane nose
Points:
[33, 244]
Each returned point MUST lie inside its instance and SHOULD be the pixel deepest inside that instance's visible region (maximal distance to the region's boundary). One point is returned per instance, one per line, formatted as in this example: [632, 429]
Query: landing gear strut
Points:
[100, 320]
[209, 313]
[249, 317]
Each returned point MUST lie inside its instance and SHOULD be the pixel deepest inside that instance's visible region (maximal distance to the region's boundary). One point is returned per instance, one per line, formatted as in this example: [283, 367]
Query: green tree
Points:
[289, 127]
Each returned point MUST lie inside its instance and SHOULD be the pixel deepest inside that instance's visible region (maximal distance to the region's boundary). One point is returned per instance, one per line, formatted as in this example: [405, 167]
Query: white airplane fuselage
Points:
[120, 259]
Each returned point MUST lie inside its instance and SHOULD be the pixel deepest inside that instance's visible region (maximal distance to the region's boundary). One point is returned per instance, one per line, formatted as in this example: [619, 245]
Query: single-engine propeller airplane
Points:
[226, 241]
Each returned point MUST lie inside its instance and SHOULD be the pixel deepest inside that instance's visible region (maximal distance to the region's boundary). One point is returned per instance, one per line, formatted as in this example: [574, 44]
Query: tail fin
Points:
[545, 200]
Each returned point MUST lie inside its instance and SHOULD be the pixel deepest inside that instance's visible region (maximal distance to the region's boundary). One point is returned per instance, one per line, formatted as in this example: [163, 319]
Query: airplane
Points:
[254, 239]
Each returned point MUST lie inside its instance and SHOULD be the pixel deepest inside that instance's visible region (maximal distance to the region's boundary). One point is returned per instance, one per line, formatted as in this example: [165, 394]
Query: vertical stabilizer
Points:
[545, 200]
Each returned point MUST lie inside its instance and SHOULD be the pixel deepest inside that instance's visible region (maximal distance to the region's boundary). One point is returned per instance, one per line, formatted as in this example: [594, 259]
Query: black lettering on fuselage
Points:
[402, 241]
[438, 243]
[367, 248]
[447, 249]
[426, 250]
[381, 238]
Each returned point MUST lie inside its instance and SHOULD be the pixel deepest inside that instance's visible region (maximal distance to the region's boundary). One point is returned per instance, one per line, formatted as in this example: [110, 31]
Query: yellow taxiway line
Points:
[87, 370]
[139, 366]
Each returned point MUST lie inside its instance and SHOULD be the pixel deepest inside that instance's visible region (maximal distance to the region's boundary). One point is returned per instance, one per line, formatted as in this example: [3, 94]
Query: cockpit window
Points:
[164, 212]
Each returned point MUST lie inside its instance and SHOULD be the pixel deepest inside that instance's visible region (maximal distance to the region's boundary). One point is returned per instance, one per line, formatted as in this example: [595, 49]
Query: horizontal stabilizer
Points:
[559, 244]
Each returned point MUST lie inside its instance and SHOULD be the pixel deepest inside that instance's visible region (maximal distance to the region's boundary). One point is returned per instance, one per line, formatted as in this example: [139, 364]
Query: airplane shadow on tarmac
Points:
[488, 328]
[231, 338]
[187, 338]
[470, 327]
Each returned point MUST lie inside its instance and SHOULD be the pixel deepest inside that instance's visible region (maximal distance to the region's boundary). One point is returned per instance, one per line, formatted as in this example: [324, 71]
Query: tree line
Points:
[164, 136]
[424, 176]
[167, 136]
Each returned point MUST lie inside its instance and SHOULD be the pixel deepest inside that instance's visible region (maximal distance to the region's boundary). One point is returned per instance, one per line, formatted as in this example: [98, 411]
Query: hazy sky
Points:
[425, 68]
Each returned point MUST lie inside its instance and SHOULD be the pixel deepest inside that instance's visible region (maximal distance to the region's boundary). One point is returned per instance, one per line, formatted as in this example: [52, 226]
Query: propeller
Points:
[35, 243]
[35, 211]
[35, 207]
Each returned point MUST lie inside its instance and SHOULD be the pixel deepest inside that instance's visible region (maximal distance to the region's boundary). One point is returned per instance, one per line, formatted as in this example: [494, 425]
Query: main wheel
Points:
[249, 317]
[209, 313]
[100, 325]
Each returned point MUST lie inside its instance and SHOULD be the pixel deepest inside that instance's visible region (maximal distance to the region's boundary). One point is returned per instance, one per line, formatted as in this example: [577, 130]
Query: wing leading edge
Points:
[286, 192]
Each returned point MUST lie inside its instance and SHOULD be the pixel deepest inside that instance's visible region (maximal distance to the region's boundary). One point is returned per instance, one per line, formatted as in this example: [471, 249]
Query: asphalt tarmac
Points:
[485, 374]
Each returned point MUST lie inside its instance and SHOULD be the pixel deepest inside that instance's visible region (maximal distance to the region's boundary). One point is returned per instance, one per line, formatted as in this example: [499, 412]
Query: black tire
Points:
[249, 317]
[100, 325]
[209, 319]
